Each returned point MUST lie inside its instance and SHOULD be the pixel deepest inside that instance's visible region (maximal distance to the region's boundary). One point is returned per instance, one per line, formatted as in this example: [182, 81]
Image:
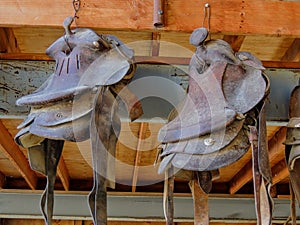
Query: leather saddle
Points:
[90, 71]
[210, 129]
[292, 143]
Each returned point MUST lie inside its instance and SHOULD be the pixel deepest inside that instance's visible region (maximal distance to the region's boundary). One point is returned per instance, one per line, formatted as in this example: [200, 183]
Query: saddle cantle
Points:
[225, 98]
[90, 71]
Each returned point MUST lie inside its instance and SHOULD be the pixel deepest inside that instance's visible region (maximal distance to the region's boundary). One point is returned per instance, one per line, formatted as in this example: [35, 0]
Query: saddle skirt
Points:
[210, 129]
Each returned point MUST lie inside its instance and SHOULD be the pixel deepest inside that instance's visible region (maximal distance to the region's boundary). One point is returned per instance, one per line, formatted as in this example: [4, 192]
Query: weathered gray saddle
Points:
[292, 148]
[76, 103]
[220, 118]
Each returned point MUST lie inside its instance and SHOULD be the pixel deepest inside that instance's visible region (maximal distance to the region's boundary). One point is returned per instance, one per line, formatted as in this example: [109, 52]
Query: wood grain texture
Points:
[17, 158]
[8, 42]
[63, 173]
[231, 16]
[293, 52]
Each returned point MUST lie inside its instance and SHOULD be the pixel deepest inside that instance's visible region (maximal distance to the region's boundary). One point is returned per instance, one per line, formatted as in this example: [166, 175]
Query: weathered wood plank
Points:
[18, 78]
[230, 16]
[17, 158]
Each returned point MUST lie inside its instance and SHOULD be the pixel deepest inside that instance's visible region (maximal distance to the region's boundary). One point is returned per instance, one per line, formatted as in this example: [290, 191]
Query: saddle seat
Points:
[224, 96]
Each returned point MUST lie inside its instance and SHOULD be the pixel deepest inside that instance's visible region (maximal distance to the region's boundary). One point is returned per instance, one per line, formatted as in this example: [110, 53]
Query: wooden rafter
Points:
[293, 52]
[279, 172]
[227, 17]
[8, 43]
[235, 41]
[142, 132]
[17, 158]
[63, 174]
[245, 174]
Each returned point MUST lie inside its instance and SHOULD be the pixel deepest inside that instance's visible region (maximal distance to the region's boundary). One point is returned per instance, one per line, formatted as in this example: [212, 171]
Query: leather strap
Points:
[292, 147]
[293, 205]
[200, 199]
[263, 204]
[104, 128]
[53, 150]
[168, 200]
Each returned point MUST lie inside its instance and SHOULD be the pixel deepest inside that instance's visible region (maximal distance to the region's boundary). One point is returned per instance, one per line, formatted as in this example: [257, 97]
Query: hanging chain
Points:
[207, 16]
[76, 6]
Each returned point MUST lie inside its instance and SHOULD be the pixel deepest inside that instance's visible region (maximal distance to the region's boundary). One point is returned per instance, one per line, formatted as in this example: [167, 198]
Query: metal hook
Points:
[207, 15]
[67, 26]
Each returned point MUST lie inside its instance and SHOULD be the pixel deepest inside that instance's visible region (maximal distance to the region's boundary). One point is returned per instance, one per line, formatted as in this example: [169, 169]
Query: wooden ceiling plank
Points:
[142, 132]
[146, 60]
[245, 174]
[293, 52]
[235, 41]
[279, 172]
[17, 158]
[8, 42]
[231, 16]
[63, 174]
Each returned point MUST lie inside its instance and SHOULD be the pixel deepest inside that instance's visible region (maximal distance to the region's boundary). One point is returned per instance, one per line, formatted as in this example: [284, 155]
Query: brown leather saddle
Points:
[292, 148]
[77, 99]
[220, 118]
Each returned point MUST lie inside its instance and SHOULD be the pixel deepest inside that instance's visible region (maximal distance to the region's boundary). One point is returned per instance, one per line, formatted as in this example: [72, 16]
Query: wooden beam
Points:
[279, 172]
[142, 132]
[12, 151]
[63, 174]
[281, 64]
[25, 56]
[145, 60]
[228, 17]
[293, 52]
[244, 175]
[8, 42]
[235, 41]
